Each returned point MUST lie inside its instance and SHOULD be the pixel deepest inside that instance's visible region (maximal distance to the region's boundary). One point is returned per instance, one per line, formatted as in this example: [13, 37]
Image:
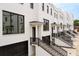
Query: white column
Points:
[36, 31]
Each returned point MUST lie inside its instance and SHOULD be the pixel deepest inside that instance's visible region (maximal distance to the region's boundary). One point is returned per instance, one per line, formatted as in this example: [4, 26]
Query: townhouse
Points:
[35, 29]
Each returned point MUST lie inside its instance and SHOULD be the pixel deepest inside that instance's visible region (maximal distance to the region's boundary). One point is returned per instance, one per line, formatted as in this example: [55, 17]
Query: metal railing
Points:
[71, 33]
[54, 50]
[66, 40]
[75, 32]
[59, 49]
[34, 40]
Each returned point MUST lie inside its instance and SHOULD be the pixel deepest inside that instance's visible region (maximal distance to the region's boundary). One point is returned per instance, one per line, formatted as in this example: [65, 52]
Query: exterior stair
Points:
[54, 50]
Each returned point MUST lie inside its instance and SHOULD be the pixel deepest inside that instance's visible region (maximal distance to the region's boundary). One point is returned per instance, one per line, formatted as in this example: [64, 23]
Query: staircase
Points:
[70, 33]
[54, 50]
[59, 49]
[75, 32]
[66, 40]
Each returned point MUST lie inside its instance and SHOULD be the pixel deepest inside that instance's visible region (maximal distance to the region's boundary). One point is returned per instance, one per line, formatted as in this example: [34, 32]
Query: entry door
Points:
[34, 36]
[52, 32]
[34, 33]
[52, 29]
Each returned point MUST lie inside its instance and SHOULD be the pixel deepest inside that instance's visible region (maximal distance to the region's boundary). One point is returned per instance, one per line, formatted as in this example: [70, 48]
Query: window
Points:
[46, 25]
[32, 5]
[21, 24]
[12, 23]
[51, 11]
[47, 9]
[55, 16]
[42, 6]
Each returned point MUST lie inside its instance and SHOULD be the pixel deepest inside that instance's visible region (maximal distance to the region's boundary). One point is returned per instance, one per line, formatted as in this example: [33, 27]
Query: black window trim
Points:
[17, 23]
[45, 23]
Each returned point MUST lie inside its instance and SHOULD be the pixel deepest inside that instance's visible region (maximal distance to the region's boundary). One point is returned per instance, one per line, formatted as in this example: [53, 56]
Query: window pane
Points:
[6, 23]
[14, 23]
[46, 25]
[21, 24]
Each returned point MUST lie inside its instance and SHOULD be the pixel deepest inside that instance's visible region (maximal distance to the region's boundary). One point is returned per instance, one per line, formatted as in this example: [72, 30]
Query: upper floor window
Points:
[12, 23]
[51, 11]
[61, 25]
[47, 9]
[46, 25]
[55, 16]
[42, 6]
[32, 5]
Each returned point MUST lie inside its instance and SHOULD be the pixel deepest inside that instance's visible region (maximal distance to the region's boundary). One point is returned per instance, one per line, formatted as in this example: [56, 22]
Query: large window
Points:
[46, 25]
[12, 23]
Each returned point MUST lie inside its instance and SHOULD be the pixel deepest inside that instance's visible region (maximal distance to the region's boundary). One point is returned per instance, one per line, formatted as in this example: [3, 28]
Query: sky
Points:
[70, 7]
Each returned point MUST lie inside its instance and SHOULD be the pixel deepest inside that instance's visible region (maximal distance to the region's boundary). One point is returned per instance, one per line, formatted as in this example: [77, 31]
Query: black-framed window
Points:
[32, 5]
[42, 6]
[12, 23]
[51, 11]
[46, 25]
[47, 9]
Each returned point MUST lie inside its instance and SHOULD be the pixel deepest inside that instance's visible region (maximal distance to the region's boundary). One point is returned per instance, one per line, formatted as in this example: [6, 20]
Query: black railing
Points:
[66, 40]
[75, 32]
[71, 33]
[59, 49]
[53, 34]
[34, 40]
[52, 49]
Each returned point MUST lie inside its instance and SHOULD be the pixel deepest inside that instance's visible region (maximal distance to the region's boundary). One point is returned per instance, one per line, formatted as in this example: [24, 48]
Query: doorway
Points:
[34, 33]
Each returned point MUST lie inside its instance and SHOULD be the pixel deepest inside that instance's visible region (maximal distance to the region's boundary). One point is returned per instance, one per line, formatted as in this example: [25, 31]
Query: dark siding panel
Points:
[46, 39]
[17, 49]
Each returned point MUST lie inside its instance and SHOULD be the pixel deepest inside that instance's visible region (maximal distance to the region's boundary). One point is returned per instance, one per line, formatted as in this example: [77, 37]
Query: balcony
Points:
[54, 50]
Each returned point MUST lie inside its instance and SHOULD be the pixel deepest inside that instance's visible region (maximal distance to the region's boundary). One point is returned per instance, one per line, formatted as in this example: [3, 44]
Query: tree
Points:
[76, 22]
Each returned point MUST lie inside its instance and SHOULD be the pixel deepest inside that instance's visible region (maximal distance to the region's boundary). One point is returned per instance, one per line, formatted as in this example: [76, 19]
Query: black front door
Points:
[33, 33]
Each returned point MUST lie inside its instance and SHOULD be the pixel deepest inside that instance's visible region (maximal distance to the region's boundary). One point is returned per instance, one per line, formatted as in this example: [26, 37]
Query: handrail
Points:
[50, 48]
[59, 49]
[69, 42]
[71, 33]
